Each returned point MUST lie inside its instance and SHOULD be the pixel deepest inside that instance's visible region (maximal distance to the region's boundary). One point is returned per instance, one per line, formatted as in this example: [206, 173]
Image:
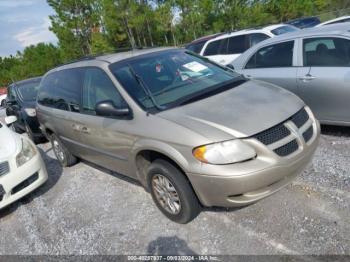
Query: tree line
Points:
[85, 27]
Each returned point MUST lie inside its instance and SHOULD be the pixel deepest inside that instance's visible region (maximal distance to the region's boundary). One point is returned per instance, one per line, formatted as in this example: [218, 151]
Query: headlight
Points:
[227, 152]
[30, 111]
[27, 153]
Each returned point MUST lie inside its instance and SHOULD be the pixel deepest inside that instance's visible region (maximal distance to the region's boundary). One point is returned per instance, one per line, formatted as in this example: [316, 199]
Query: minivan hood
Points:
[8, 142]
[242, 111]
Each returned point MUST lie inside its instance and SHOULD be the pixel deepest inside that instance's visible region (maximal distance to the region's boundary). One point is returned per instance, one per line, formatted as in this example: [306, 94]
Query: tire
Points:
[187, 207]
[3, 103]
[62, 154]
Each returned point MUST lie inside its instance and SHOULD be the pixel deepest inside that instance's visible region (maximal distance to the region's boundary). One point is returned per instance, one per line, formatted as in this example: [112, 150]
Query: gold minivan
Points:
[192, 132]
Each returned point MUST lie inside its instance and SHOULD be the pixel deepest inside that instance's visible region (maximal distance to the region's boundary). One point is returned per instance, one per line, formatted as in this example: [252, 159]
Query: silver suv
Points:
[192, 132]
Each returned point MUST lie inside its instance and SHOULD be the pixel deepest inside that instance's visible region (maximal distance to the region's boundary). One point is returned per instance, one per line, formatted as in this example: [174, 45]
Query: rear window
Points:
[28, 91]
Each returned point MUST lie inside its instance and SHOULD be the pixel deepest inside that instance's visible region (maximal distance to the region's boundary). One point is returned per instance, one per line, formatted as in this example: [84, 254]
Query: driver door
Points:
[106, 140]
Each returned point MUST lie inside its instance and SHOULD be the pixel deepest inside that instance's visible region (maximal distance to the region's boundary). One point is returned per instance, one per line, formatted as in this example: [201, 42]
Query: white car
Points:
[225, 48]
[343, 19]
[22, 169]
[3, 100]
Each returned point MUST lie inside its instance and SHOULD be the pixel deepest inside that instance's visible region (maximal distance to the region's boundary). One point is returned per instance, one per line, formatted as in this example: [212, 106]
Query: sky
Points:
[24, 23]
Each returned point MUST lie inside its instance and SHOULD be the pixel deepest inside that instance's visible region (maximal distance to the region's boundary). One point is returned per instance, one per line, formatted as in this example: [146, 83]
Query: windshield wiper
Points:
[207, 93]
[145, 89]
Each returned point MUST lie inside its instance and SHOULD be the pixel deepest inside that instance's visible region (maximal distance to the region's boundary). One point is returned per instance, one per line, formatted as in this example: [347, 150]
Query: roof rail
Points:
[94, 56]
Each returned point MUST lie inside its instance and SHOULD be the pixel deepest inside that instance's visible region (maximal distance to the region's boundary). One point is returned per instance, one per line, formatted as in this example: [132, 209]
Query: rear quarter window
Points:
[62, 90]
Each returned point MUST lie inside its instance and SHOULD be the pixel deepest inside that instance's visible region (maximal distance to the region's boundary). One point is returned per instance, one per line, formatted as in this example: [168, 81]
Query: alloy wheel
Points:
[166, 194]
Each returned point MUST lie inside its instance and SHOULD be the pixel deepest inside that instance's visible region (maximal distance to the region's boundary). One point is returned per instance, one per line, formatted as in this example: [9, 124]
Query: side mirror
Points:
[10, 120]
[230, 66]
[108, 109]
[11, 102]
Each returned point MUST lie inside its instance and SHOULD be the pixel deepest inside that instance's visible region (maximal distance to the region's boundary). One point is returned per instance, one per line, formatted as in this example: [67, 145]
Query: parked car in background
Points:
[304, 22]
[21, 101]
[192, 132]
[3, 100]
[22, 169]
[3, 90]
[197, 45]
[343, 19]
[225, 48]
[313, 63]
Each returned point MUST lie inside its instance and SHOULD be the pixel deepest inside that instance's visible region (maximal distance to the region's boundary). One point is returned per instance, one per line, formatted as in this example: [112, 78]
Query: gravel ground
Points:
[87, 210]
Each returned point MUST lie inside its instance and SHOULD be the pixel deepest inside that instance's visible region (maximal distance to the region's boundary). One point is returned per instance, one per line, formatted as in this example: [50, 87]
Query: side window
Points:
[62, 90]
[68, 90]
[99, 87]
[196, 48]
[237, 44]
[46, 94]
[278, 55]
[212, 48]
[326, 51]
[12, 93]
[257, 38]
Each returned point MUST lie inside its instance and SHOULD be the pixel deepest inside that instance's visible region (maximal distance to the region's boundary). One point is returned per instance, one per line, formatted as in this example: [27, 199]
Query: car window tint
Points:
[196, 47]
[237, 44]
[326, 51]
[277, 55]
[62, 90]
[11, 93]
[212, 48]
[28, 91]
[46, 93]
[99, 87]
[68, 90]
[257, 38]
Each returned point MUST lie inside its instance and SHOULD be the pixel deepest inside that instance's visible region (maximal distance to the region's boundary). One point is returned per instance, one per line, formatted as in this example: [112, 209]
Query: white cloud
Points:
[15, 3]
[36, 34]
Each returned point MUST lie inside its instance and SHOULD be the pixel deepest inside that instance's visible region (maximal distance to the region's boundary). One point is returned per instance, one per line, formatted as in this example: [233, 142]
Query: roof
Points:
[28, 80]
[336, 29]
[266, 29]
[205, 38]
[110, 58]
[334, 20]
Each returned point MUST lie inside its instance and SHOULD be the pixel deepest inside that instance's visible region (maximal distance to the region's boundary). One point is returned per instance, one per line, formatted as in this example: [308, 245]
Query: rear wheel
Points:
[172, 192]
[62, 154]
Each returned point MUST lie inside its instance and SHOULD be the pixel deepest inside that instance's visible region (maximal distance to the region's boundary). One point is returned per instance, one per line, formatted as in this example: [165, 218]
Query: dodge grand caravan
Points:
[192, 132]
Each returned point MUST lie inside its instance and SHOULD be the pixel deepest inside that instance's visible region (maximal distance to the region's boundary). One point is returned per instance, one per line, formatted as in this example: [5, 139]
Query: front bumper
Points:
[23, 180]
[245, 183]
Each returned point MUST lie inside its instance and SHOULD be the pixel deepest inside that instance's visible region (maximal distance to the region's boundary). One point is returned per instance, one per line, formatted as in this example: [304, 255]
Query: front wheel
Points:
[172, 192]
[62, 154]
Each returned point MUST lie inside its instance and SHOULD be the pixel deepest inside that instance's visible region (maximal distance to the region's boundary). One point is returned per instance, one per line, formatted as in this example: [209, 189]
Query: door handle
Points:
[76, 127]
[248, 76]
[85, 130]
[307, 77]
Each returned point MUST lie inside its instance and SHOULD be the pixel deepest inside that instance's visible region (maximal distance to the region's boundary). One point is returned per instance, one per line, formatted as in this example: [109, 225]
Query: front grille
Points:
[300, 118]
[308, 134]
[287, 149]
[273, 134]
[25, 183]
[2, 193]
[4, 168]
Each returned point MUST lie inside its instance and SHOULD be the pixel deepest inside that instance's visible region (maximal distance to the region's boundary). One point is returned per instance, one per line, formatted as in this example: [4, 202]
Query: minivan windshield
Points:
[28, 91]
[169, 78]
